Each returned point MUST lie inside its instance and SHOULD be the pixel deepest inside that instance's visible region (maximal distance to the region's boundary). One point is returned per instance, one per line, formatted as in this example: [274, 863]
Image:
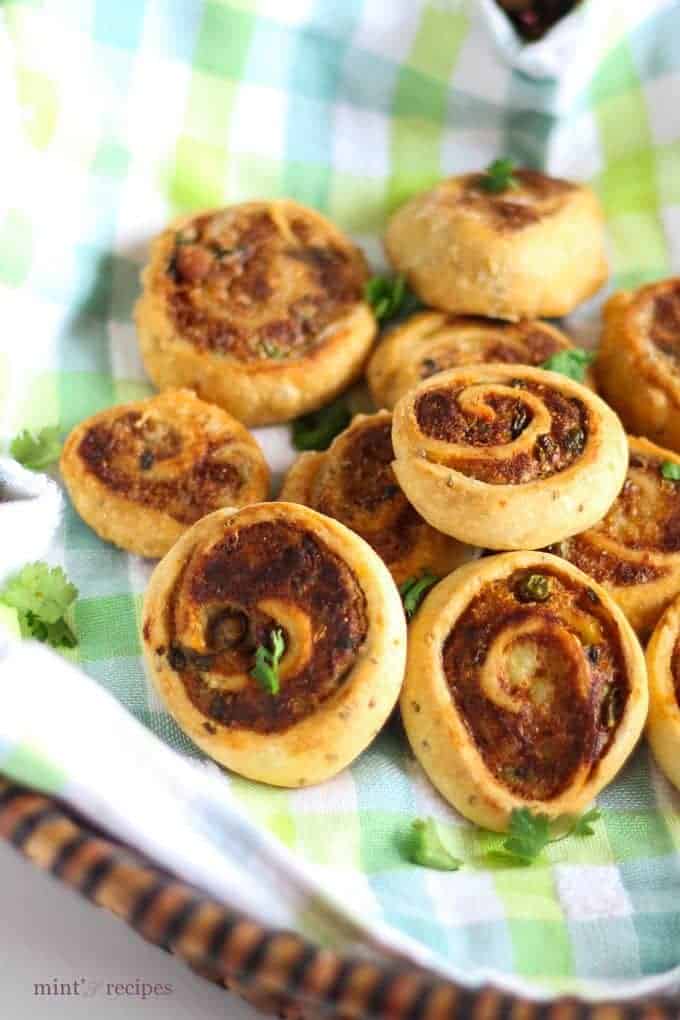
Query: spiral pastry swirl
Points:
[354, 482]
[141, 473]
[504, 456]
[258, 306]
[641, 342]
[525, 687]
[431, 342]
[634, 552]
[226, 588]
[663, 666]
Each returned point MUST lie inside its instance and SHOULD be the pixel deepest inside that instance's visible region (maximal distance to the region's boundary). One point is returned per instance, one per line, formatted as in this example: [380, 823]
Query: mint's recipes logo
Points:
[87, 988]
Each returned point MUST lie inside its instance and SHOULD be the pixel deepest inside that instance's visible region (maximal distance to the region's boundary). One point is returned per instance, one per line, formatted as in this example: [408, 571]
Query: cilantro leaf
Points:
[583, 826]
[498, 176]
[390, 296]
[58, 634]
[414, 590]
[529, 834]
[572, 362]
[266, 669]
[426, 848]
[316, 431]
[36, 450]
[39, 589]
[42, 597]
[670, 471]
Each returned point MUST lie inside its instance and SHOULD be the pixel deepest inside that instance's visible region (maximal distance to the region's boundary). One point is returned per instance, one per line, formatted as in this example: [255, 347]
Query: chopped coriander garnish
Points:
[583, 826]
[270, 350]
[414, 589]
[534, 588]
[529, 833]
[390, 296]
[572, 362]
[42, 597]
[316, 431]
[266, 669]
[498, 176]
[36, 450]
[221, 252]
[670, 471]
[426, 848]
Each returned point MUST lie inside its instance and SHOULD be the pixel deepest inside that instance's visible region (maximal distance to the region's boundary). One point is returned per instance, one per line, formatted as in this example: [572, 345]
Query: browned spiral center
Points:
[538, 679]
[263, 577]
[253, 284]
[642, 527]
[511, 210]
[675, 670]
[150, 461]
[464, 340]
[540, 430]
[664, 330]
[364, 494]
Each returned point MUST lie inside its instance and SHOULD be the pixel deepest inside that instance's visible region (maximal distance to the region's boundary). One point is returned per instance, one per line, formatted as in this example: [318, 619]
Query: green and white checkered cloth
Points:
[117, 114]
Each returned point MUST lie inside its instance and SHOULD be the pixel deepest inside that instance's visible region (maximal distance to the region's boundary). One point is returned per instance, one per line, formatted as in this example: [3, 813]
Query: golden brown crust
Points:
[258, 307]
[634, 551]
[529, 252]
[224, 588]
[141, 473]
[641, 342]
[354, 483]
[504, 455]
[431, 342]
[525, 687]
[663, 666]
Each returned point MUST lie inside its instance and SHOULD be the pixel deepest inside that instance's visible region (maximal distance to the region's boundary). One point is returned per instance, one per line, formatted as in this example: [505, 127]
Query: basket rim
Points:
[275, 970]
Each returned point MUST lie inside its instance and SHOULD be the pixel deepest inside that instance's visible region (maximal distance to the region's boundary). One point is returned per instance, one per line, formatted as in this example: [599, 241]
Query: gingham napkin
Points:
[118, 115]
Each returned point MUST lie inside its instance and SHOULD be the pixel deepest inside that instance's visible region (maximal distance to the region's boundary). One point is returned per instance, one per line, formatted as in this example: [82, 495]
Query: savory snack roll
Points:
[353, 482]
[258, 307]
[431, 342]
[663, 667]
[638, 367]
[634, 551]
[140, 474]
[534, 249]
[267, 576]
[504, 456]
[525, 688]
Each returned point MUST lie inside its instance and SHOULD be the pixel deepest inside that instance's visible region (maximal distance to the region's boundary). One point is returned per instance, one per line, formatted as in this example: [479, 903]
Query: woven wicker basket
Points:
[276, 971]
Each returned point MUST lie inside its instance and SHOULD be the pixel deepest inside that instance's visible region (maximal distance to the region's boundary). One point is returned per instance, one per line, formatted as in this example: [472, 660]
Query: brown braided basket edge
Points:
[276, 971]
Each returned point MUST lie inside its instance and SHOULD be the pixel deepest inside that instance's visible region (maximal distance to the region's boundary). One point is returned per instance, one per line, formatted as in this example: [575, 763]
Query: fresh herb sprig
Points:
[529, 834]
[42, 597]
[572, 362]
[498, 176]
[270, 350]
[316, 431]
[38, 450]
[266, 668]
[413, 590]
[670, 471]
[390, 296]
[426, 847]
